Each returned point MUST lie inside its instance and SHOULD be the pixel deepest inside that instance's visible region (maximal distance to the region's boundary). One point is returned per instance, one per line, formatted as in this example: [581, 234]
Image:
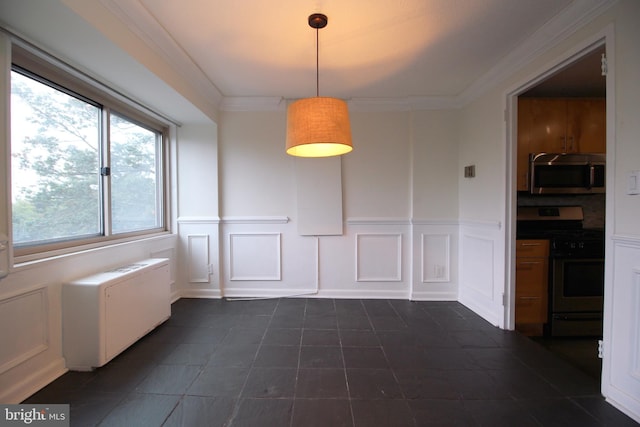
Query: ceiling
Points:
[582, 78]
[369, 49]
[254, 52]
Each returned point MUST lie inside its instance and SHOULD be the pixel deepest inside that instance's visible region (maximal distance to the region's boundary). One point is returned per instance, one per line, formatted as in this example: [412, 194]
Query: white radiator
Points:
[105, 313]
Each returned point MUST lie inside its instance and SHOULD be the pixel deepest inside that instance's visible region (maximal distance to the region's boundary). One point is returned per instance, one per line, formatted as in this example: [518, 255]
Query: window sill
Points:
[26, 261]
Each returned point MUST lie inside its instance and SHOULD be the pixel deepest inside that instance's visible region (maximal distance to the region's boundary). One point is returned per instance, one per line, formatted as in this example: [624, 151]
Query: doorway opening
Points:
[563, 113]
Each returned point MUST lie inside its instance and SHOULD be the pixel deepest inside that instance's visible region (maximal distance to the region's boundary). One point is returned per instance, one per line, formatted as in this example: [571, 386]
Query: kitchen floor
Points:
[580, 352]
[324, 362]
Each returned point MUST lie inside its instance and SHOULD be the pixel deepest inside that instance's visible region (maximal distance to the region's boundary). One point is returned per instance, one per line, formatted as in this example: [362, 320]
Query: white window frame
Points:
[43, 65]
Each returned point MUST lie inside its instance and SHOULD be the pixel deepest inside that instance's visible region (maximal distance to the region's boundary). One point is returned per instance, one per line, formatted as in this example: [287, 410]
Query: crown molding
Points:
[253, 103]
[256, 103]
[144, 25]
[563, 25]
[556, 30]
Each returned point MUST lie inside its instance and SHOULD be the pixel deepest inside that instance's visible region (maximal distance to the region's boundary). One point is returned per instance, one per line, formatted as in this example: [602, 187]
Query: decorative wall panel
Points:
[198, 245]
[436, 257]
[378, 257]
[482, 269]
[25, 324]
[255, 256]
[621, 332]
[635, 324]
[478, 259]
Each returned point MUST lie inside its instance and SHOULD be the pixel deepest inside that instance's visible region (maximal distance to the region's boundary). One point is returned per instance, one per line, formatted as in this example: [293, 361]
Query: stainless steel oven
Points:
[576, 268]
[576, 286]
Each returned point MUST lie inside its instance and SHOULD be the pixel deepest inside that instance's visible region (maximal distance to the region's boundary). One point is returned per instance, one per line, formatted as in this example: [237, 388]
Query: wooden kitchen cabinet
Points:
[532, 278]
[587, 125]
[558, 125]
[525, 127]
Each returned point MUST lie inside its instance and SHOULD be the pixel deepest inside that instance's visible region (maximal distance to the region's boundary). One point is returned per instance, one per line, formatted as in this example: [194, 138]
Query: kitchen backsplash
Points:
[593, 205]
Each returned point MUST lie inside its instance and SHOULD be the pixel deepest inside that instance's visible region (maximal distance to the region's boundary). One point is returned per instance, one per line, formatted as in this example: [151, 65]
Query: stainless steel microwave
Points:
[567, 173]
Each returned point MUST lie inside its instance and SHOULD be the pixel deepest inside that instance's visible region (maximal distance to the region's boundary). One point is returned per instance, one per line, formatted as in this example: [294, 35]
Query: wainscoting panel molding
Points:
[198, 258]
[255, 256]
[436, 262]
[482, 285]
[635, 325]
[378, 257]
[478, 254]
[29, 336]
[621, 335]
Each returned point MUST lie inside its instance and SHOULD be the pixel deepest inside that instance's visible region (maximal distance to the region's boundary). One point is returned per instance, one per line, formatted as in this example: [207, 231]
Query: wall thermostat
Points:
[470, 171]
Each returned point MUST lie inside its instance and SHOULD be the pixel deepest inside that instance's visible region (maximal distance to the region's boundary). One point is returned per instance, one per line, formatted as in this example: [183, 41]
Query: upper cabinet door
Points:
[549, 125]
[587, 125]
[558, 125]
[525, 127]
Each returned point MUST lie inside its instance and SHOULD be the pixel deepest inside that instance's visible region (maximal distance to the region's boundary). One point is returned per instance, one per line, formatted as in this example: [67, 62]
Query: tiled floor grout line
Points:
[344, 364]
[402, 363]
[393, 370]
[240, 397]
[295, 388]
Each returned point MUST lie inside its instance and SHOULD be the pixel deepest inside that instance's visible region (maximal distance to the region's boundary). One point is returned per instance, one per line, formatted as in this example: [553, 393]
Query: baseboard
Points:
[480, 310]
[362, 294]
[623, 402]
[313, 293]
[21, 390]
[199, 293]
[267, 293]
[434, 296]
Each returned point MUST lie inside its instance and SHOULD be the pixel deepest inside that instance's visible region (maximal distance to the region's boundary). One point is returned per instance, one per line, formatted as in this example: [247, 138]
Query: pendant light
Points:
[318, 127]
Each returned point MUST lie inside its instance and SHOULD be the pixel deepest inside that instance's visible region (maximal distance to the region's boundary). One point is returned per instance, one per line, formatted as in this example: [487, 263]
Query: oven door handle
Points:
[592, 176]
[577, 319]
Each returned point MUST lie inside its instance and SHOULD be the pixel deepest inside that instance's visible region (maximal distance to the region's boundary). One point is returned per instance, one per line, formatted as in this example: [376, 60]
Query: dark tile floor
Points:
[330, 363]
[581, 352]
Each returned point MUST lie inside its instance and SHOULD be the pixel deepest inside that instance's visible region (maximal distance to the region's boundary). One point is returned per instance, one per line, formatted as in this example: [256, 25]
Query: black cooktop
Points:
[554, 222]
[524, 232]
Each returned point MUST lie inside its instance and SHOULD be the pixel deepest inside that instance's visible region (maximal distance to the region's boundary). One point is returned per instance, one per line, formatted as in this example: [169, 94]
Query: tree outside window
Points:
[64, 165]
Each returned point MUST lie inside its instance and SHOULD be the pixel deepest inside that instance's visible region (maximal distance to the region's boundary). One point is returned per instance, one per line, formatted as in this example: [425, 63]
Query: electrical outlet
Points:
[439, 271]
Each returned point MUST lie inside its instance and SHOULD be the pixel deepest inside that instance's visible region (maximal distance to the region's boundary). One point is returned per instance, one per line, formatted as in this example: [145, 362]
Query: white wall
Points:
[627, 108]
[255, 172]
[482, 207]
[382, 252]
[377, 173]
[434, 162]
[483, 142]
[414, 228]
[621, 378]
[434, 203]
[197, 219]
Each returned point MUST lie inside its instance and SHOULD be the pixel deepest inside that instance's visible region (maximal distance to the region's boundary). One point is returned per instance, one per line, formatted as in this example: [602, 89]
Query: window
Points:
[82, 171]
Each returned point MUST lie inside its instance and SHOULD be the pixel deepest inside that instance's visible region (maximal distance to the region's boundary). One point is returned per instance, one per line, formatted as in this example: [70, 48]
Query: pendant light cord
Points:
[317, 63]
